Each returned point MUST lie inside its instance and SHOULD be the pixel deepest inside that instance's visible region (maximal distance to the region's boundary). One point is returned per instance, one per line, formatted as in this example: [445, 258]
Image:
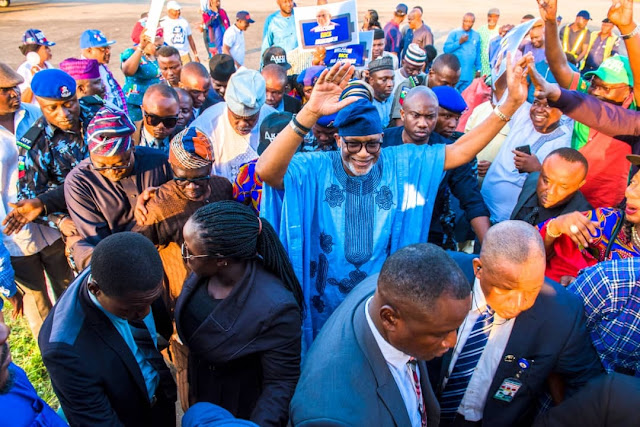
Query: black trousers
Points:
[30, 274]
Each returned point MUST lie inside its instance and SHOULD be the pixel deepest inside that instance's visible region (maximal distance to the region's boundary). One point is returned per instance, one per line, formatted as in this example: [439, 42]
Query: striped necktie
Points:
[413, 370]
[465, 365]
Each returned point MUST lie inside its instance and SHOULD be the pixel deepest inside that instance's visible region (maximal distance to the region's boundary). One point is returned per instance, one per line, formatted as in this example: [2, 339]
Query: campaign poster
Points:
[509, 44]
[331, 25]
[356, 54]
[155, 10]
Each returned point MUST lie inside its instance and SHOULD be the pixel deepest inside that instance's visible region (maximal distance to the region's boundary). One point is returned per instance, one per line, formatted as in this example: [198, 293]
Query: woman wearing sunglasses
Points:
[240, 314]
[140, 68]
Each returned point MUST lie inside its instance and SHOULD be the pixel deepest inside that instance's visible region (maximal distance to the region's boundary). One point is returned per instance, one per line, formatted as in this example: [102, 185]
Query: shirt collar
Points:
[111, 316]
[479, 303]
[392, 355]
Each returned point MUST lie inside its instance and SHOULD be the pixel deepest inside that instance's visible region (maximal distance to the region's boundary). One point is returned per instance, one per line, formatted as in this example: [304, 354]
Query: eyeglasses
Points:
[184, 251]
[183, 182]
[153, 120]
[112, 168]
[355, 147]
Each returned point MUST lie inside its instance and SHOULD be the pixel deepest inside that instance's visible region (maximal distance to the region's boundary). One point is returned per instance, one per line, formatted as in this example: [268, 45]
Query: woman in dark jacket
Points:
[240, 314]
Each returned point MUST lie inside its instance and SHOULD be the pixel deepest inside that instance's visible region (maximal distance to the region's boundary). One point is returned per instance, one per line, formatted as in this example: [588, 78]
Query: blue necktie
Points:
[465, 365]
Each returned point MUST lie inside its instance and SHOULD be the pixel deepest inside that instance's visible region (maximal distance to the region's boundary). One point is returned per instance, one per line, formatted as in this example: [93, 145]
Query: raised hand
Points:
[621, 13]
[325, 98]
[548, 10]
[544, 89]
[517, 78]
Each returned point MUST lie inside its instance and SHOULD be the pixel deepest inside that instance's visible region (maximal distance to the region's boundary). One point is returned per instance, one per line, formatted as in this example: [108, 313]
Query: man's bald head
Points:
[275, 72]
[512, 242]
[196, 80]
[419, 94]
[158, 91]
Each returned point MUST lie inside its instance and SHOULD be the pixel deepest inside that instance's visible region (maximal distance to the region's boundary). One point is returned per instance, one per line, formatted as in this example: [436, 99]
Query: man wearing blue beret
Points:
[430, 116]
[343, 213]
[53, 146]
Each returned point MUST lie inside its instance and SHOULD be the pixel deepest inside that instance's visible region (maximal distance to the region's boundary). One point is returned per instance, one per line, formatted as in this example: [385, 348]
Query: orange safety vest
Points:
[608, 47]
[579, 41]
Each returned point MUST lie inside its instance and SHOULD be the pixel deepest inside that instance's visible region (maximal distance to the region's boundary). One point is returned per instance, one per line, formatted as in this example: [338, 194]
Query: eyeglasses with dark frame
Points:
[154, 120]
[112, 168]
[354, 147]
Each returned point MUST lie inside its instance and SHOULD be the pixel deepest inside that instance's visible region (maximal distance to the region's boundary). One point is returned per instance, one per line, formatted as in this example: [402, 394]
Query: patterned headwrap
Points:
[109, 133]
[191, 149]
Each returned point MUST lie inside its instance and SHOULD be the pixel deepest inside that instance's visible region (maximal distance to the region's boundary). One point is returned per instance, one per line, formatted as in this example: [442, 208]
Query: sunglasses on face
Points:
[153, 120]
[355, 147]
[184, 251]
[183, 182]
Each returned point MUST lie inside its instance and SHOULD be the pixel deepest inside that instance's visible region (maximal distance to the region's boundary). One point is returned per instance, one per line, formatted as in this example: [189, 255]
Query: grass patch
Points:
[26, 354]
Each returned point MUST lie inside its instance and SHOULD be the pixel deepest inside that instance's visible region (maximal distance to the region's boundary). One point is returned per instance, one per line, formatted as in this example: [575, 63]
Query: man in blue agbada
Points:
[342, 213]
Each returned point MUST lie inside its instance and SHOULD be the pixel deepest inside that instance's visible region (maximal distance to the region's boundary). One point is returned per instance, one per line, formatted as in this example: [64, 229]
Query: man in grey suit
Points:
[366, 367]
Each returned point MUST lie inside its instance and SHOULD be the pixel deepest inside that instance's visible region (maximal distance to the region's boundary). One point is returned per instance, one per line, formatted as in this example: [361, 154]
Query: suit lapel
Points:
[387, 388]
[104, 329]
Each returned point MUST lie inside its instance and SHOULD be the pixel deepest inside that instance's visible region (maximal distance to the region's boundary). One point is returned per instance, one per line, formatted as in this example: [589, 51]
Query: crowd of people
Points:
[405, 243]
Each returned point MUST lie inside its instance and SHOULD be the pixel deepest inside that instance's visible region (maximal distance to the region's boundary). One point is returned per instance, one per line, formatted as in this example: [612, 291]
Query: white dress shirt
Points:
[33, 237]
[473, 401]
[397, 363]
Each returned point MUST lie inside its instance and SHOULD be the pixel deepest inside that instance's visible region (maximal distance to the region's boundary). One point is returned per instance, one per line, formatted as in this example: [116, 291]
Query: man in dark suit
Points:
[519, 331]
[555, 190]
[275, 77]
[366, 367]
[100, 342]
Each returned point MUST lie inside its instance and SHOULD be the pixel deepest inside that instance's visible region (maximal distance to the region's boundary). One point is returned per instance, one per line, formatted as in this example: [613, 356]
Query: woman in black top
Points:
[240, 314]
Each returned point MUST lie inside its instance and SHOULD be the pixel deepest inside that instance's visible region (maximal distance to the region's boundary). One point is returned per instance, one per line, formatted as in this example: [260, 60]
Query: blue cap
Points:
[584, 14]
[205, 414]
[309, 76]
[53, 83]
[327, 121]
[243, 15]
[34, 36]
[358, 119]
[94, 38]
[450, 99]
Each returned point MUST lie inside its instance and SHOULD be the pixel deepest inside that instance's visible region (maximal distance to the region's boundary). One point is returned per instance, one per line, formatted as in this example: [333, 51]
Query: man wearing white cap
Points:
[233, 126]
[487, 33]
[177, 31]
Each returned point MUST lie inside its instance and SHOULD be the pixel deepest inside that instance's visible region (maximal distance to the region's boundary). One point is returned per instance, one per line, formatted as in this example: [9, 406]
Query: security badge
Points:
[510, 386]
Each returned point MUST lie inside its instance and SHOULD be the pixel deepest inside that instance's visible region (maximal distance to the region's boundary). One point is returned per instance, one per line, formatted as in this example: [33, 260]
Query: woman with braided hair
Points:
[240, 314]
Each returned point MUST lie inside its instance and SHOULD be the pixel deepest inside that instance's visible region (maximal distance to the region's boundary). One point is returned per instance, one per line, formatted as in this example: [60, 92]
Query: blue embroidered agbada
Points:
[339, 229]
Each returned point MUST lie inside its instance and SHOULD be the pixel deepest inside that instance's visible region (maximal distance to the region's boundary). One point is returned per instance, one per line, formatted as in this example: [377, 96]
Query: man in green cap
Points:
[612, 82]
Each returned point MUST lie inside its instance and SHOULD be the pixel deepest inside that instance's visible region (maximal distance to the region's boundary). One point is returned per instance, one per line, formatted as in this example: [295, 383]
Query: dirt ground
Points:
[63, 21]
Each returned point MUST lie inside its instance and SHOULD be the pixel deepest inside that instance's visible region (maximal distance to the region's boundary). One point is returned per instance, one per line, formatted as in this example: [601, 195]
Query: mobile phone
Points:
[526, 149]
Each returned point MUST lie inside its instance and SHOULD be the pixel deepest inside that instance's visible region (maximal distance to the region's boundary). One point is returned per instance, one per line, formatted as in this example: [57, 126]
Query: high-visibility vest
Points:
[608, 47]
[579, 41]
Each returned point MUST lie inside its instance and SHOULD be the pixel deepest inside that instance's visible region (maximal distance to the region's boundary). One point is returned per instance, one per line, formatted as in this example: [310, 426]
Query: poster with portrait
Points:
[331, 25]
[153, 19]
[509, 44]
[356, 54]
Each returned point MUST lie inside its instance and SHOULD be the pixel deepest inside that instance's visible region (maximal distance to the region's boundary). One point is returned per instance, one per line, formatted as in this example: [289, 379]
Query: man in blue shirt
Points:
[280, 28]
[100, 342]
[392, 33]
[465, 44]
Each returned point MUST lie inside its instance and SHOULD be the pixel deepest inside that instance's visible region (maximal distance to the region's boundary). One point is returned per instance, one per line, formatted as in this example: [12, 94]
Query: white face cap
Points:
[173, 5]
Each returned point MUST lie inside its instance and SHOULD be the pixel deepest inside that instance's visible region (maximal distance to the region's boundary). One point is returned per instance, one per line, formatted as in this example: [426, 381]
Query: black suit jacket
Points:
[551, 335]
[577, 202]
[345, 379]
[93, 372]
[212, 99]
[292, 105]
[245, 356]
